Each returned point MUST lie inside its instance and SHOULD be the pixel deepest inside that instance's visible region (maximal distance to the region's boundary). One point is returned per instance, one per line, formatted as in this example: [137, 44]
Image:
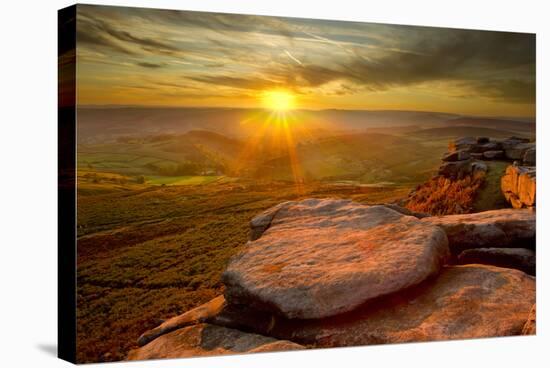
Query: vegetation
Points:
[490, 195]
[160, 215]
[157, 251]
[442, 196]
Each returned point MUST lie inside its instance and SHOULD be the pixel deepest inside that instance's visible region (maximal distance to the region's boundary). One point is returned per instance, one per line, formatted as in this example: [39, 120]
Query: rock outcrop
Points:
[530, 157]
[462, 302]
[518, 258]
[517, 152]
[498, 228]
[194, 316]
[204, 340]
[462, 168]
[519, 186]
[328, 273]
[320, 257]
[260, 223]
[513, 148]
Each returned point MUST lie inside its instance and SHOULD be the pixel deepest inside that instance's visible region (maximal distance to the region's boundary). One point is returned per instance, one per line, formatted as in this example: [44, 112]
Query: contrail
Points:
[292, 57]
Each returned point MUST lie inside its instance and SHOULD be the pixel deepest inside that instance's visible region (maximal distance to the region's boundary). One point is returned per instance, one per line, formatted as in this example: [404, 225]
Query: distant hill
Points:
[209, 141]
[105, 124]
[500, 124]
[364, 158]
[457, 131]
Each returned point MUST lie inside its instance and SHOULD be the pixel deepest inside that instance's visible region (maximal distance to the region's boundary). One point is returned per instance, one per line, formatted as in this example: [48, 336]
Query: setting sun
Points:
[278, 100]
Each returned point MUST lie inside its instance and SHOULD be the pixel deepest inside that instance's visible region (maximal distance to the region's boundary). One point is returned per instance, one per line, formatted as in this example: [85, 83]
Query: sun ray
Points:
[252, 145]
[293, 156]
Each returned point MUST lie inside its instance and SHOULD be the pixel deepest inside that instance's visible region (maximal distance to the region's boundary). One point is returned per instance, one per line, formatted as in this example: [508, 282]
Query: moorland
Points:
[165, 195]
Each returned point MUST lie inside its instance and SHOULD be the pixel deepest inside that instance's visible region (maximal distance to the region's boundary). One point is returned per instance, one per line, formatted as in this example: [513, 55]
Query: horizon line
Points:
[123, 106]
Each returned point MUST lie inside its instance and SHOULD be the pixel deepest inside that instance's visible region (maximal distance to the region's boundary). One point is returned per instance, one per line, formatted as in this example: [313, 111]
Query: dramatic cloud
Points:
[241, 55]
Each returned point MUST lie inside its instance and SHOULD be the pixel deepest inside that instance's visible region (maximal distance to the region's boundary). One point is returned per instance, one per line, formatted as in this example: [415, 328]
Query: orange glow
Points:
[278, 100]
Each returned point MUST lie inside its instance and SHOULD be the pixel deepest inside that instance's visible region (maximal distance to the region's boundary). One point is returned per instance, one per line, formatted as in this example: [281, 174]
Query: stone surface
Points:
[493, 155]
[462, 143]
[489, 146]
[204, 340]
[530, 327]
[194, 316]
[478, 169]
[469, 301]
[519, 186]
[406, 211]
[516, 152]
[456, 156]
[477, 156]
[518, 258]
[530, 157]
[322, 257]
[456, 169]
[261, 222]
[503, 228]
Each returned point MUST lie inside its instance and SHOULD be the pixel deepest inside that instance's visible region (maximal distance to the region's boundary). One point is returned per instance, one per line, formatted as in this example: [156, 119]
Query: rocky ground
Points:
[332, 272]
[464, 177]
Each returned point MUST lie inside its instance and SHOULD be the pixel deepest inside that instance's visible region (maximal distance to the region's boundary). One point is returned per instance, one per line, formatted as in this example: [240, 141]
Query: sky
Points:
[137, 56]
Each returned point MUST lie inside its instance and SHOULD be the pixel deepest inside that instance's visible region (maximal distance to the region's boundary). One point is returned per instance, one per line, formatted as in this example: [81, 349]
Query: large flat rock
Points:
[497, 228]
[470, 301]
[204, 340]
[321, 257]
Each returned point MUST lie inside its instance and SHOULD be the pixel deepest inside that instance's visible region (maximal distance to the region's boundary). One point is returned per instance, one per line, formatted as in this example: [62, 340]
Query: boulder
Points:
[516, 152]
[478, 169]
[405, 211]
[469, 301]
[519, 186]
[508, 143]
[460, 155]
[530, 157]
[456, 170]
[191, 317]
[463, 143]
[530, 327]
[261, 222]
[322, 257]
[503, 228]
[490, 146]
[493, 155]
[477, 156]
[204, 340]
[518, 258]
[462, 169]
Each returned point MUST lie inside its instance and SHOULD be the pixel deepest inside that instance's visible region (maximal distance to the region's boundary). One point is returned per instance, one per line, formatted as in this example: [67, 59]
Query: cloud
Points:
[249, 53]
[103, 34]
[145, 64]
[495, 64]
[250, 83]
[293, 58]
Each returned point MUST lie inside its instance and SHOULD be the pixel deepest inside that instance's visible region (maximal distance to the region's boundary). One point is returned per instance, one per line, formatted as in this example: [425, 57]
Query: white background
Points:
[28, 180]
